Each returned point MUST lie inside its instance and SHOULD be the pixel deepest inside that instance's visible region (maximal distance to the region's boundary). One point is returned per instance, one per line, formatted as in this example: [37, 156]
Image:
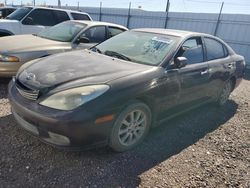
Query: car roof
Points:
[96, 23]
[173, 32]
[8, 8]
[59, 9]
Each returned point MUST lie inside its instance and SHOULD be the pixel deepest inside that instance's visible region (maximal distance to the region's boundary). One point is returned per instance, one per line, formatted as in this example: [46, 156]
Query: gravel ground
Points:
[207, 147]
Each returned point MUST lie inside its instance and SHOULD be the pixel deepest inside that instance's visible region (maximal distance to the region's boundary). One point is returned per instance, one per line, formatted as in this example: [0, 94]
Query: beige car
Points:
[67, 36]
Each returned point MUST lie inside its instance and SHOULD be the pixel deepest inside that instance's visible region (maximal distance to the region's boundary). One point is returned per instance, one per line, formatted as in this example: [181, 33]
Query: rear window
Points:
[77, 16]
[215, 49]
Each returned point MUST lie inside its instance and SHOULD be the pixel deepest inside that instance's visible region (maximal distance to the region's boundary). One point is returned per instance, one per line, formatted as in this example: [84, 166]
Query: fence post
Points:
[100, 12]
[128, 19]
[218, 20]
[167, 11]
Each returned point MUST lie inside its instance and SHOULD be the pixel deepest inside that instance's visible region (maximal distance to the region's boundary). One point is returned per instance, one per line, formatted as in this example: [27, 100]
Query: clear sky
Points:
[230, 6]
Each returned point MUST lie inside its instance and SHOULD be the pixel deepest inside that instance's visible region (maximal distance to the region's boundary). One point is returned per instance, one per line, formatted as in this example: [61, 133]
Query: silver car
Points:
[67, 36]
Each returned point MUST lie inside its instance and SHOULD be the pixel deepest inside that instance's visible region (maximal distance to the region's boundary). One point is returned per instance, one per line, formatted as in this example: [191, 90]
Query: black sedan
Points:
[113, 94]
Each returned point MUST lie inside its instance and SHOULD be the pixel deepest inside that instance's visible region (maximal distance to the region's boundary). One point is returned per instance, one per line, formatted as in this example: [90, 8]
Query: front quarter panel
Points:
[13, 27]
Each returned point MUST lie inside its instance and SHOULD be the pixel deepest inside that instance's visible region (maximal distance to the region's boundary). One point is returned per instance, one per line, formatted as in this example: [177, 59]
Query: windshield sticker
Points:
[162, 40]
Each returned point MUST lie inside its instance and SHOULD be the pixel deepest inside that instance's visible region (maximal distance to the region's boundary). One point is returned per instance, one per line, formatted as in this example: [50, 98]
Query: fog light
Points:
[57, 139]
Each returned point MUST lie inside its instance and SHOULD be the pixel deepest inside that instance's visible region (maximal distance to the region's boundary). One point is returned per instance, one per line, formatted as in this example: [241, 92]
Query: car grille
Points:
[27, 93]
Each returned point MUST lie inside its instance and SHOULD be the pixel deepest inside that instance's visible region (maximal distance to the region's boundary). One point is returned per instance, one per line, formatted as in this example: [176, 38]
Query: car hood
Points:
[83, 66]
[26, 43]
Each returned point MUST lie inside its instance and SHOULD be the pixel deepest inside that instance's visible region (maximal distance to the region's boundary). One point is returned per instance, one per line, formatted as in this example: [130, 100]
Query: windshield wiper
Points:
[117, 55]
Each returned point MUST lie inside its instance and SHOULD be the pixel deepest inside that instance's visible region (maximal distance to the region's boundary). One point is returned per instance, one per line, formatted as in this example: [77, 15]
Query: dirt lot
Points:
[207, 147]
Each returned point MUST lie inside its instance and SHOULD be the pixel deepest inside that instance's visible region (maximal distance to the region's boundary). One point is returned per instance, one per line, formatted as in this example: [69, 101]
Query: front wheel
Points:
[131, 127]
[225, 93]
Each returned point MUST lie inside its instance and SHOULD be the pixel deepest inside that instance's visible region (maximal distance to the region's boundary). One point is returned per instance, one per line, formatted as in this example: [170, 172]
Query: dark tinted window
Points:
[114, 31]
[19, 14]
[80, 16]
[41, 17]
[61, 16]
[215, 49]
[192, 49]
[96, 34]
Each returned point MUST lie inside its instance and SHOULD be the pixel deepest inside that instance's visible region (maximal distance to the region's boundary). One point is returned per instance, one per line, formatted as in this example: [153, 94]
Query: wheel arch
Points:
[4, 32]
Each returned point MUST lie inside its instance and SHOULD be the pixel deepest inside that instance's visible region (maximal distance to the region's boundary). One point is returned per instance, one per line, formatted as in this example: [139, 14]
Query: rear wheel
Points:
[131, 127]
[225, 93]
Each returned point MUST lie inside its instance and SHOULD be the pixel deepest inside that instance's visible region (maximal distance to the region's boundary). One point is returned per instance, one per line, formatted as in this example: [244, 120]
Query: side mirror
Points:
[28, 21]
[180, 62]
[83, 40]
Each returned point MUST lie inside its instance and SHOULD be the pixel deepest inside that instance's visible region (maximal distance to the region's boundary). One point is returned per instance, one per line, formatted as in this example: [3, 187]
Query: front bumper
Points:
[64, 129]
[9, 69]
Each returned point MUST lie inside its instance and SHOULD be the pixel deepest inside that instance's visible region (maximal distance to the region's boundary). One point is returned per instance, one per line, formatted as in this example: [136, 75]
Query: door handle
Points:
[204, 72]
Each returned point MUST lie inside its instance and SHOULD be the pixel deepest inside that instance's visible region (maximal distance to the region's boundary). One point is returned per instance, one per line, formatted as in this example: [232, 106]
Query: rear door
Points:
[220, 64]
[194, 77]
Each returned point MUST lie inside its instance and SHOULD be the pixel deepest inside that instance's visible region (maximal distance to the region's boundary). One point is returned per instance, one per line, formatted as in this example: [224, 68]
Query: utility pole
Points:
[167, 11]
[129, 10]
[78, 5]
[34, 2]
[5, 2]
[59, 3]
[218, 20]
[100, 12]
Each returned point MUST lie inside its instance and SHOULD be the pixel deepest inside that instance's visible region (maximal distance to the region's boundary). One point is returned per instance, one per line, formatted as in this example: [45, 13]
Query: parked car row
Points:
[32, 20]
[70, 35]
[114, 92]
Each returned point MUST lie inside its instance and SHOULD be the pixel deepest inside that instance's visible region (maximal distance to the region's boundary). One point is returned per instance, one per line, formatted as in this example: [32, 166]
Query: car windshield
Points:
[140, 47]
[19, 13]
[63, 32]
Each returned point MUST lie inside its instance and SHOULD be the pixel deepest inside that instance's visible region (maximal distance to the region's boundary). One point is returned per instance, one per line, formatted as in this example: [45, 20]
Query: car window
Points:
[61, 16]
[19, 14]
[214, 49]
[95, 34]
[192, 49]
[41, 17]
[114, 31]
[80, 16]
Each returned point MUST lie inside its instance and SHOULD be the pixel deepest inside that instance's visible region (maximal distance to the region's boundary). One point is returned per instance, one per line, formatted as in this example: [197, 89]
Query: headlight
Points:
[5, 58]
[73, 98]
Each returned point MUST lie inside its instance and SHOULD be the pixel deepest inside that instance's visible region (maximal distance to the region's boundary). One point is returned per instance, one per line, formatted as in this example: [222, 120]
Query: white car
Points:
[32, 20]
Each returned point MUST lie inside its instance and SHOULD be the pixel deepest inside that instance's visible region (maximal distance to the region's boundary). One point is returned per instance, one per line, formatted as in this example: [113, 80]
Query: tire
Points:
[128, 133]
[225, 93]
